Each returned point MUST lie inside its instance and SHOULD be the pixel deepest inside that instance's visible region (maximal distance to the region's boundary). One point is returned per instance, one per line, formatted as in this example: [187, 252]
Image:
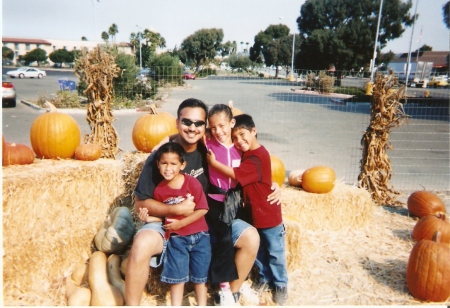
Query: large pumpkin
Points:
[117, 231]
[423, 203]
[17, 154]
[54, 135]
[319, 179]
[278, 170]
[150, 129]
[428, 270]
[428, 225]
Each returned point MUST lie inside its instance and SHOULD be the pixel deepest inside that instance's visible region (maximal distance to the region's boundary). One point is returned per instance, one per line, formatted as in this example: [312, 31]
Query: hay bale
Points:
[344, 207]
[52, 210]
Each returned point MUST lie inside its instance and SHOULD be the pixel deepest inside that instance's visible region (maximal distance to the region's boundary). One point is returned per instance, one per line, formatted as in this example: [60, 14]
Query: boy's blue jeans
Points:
[271, 258]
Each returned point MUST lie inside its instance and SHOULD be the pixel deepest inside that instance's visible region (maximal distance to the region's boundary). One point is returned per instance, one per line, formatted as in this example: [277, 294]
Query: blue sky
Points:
[240, 20]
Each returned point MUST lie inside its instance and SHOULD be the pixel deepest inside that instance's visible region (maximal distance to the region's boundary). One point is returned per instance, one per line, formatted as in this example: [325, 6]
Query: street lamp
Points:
[140, 47]
[292, 63]
[372, 65]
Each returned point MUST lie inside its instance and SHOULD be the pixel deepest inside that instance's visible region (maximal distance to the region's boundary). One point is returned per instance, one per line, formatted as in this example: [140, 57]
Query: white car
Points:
[26, 72]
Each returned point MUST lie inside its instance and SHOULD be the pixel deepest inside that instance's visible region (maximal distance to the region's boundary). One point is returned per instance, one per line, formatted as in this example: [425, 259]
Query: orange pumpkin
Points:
[234, 110]
[54, 135]
[295, 178]
[88, 151]
[3, 145]
[319, 179]
[17, 154]
[428, 225]
[428, 270]
[423, 203]
[150, 129]
[278, 170]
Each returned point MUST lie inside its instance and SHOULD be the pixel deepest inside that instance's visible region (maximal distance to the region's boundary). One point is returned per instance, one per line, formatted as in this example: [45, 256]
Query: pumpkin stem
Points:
[51, 106]
[153, 109]
[437, 237]
[440, 215]
[230, 104]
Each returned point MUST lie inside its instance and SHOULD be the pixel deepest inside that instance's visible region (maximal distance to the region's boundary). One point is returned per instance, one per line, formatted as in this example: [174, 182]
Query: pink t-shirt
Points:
[229, 156]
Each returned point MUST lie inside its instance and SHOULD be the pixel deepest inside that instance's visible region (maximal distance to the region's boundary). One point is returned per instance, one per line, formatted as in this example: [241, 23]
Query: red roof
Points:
[24, 40]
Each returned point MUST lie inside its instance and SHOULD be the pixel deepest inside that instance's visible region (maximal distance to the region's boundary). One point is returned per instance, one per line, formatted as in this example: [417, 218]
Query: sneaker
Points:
[280, 295]
[225, 298]
[249, 297]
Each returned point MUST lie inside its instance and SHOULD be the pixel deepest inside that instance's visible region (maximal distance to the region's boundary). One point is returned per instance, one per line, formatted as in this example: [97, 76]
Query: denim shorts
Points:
[157, 260]
[187, 258]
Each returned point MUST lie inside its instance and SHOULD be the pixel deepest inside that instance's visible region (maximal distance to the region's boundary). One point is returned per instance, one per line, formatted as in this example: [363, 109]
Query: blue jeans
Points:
[271, 258]
[187, 258]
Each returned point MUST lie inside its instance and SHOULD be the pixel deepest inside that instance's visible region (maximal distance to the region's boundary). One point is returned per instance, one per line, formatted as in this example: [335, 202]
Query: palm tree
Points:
[83, 38]
[113, 30]
[234, 46]
[105, 36]
[242, 43]
[445, 14]
[247, 46]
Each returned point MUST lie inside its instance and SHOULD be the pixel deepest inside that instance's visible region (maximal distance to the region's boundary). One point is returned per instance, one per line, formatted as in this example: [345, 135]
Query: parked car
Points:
[438, 81]
[187, 75]
[26, 72]
[8, 93]
[145, 73]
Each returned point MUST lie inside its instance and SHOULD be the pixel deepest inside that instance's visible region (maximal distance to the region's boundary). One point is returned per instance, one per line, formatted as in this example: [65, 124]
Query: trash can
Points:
[369, 88]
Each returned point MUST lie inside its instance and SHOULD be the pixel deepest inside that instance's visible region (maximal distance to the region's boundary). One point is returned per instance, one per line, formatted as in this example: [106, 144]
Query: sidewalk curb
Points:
[31, 105]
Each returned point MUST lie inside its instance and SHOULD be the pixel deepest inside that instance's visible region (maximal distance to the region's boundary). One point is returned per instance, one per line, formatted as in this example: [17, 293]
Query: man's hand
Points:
[185, 208]
[275, 196]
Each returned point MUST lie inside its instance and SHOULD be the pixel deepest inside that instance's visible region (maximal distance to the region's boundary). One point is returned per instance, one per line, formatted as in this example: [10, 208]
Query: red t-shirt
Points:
[191, 186]
[255, 176]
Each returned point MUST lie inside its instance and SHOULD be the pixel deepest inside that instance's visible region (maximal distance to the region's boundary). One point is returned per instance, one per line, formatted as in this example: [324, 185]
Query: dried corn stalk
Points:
[386, 113]
[98, 69]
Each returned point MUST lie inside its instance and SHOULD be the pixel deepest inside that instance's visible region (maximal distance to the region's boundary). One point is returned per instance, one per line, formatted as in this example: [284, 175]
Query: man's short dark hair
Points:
[171, 147]
[192, 103]
[244, 121]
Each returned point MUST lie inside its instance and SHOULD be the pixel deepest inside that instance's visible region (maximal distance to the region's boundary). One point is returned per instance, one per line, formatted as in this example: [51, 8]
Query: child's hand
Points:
[156, 147]
[143, 215]
[275, 196]
[210, 157]
[172, 224]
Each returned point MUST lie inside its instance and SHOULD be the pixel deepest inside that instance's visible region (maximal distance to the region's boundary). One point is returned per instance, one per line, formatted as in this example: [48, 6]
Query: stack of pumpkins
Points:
[318, 179]
[428, 269]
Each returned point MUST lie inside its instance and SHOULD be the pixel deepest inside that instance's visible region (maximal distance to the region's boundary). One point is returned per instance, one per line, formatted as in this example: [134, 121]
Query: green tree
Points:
[7, 53]
[202, 46]
[343, 32]
[105, 36]
[38, 55]
[83, 38]
[150, 42]
[424, 47]
[61, 56]
[166, 67]
[446, 13]
[112, 31]
[239, 61]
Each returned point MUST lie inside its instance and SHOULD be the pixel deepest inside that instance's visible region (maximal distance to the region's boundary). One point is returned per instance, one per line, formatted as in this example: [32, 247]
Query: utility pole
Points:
[372, 65]
[410, 44]
[292, 63]
[140, 46]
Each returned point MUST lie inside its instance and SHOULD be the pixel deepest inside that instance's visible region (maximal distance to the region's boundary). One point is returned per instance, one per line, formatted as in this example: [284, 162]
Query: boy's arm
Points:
[224, 169]
[173, 226]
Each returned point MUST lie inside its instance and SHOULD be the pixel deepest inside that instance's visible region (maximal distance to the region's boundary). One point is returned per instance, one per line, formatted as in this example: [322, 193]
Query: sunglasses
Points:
[188, 123]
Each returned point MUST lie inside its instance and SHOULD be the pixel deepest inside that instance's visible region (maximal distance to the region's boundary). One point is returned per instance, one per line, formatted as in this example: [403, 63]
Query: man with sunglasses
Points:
[149, 245]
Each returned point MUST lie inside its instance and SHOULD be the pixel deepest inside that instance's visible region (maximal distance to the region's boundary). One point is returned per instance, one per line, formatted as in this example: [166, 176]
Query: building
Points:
[21, 46]
[440, 60]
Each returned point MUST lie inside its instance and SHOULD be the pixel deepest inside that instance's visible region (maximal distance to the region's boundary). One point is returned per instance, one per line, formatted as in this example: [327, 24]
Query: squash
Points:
[117, 231]
[80, 273]
[54, 135]
[81, 297]
[71, 287]
[88, 151]
[423, 203]
[278, 170]
[123, 266]
[103, 293]
[17, 154]
[114, 277]
[295, 178]
[428, 225]
[318, 179]
[150, 129]
[428, 270]
[234, 110]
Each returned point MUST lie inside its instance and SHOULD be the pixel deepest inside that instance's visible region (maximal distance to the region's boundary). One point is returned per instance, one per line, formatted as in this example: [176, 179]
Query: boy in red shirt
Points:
[254, 174]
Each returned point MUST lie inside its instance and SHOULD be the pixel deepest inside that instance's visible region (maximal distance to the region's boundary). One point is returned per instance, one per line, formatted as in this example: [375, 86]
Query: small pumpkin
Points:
[295, 177]
[235, 111]
[88, 151]
[150, 129]
[117, 231]
[428, 270]
[278, 170]
[54, 135]
[428, 225]
[318, 179]
[423, 203]
[17, 154]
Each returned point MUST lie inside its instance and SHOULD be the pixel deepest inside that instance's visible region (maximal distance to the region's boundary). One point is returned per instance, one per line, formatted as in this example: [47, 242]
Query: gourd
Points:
[423, 203]
[428, 270]
[278, 170]
[235, 111]
[117, 231]
[114, 277]
[54, 135]
[17, 154]
[81, 297]
[103, 293]
[123, 266]
[318, 179]
[150, 129]
[80, 273]
[88, 151]
[428, 225]
[295, 178]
